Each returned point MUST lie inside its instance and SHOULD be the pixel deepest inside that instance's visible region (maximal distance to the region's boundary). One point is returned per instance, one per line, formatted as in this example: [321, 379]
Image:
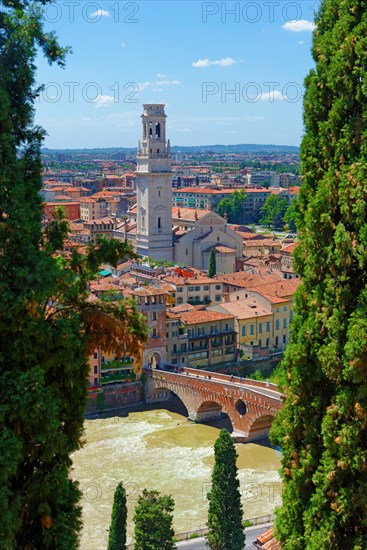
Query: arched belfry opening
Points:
[154, 187]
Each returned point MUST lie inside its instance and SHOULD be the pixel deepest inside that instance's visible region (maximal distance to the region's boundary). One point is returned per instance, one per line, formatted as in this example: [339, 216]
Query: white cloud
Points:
[103, 101]
[160, 75]
[159, 83]
[301, 25]
[225, 62]
[301, 42]
[272, 96]
[100, 13]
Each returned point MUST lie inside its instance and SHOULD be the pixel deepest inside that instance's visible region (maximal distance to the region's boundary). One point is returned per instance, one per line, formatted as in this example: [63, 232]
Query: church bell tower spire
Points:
[154, 187]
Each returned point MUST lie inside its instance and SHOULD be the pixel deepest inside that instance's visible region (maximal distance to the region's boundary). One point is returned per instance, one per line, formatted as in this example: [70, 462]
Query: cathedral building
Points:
[163, 232]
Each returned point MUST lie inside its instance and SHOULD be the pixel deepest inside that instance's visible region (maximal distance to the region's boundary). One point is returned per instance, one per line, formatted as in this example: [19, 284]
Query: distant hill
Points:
[240, 148]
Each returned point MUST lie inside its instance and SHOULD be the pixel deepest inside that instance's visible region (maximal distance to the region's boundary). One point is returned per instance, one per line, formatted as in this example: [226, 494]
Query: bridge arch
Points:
[260, 427]
[250, 411]
[162, 395]
[210, 410]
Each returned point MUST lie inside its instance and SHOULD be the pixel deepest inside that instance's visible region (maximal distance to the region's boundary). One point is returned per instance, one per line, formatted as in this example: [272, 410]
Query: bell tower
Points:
[154, 187]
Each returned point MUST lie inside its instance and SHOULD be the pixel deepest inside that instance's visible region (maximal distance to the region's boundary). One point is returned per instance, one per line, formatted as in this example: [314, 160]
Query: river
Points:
[162, 450]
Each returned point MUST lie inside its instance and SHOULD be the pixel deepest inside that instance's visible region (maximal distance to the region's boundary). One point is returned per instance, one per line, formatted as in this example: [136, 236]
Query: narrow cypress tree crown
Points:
[225, 509]
[323, 427]
[117, 534]
[212, 264]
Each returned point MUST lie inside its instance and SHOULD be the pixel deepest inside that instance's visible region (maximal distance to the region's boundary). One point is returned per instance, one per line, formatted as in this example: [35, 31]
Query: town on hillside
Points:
[214, 275]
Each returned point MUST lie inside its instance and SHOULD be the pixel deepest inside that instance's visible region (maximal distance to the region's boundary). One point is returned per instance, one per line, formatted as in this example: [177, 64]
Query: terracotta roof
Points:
[103, 285]
[128, 279]
[225, 249]
[180, 309]
[203, 316]
[267, 541]
[149, 290]
[262, 242]
[69, 200]
[86, 200]
[246, 308]
[281, 289]
[65, 198]
[289, 248]
[124, 264]
[101, 220]
[245, 235]
[188, 213]
[248, 280]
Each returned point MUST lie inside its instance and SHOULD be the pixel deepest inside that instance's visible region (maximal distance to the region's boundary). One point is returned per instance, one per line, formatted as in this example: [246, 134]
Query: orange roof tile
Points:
[289, 248]
[149, 290]
[267, 541]
[247, 308]
[203, 316]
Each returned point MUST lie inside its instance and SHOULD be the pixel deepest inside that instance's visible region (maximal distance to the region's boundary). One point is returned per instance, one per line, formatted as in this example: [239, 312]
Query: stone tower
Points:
[154, 187]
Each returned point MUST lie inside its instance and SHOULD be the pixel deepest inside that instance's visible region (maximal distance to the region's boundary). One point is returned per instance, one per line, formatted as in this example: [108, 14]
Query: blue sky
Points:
[189, 55]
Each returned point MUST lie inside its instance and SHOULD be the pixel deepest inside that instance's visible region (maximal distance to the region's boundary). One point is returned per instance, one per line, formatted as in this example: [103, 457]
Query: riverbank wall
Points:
[114, 397]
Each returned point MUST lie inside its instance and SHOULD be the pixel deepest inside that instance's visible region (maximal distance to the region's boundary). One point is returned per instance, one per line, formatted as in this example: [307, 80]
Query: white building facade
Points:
[154, 187]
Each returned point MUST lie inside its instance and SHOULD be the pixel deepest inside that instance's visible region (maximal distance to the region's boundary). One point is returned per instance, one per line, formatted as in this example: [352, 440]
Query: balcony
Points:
[213, 334]
[116, 366]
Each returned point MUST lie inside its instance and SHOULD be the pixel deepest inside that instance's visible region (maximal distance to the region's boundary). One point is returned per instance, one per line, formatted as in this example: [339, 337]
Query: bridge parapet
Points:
[236, 379]
[251, 409]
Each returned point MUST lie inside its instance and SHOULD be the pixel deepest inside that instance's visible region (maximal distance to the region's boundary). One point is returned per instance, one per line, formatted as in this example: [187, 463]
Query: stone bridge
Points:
[250, 405]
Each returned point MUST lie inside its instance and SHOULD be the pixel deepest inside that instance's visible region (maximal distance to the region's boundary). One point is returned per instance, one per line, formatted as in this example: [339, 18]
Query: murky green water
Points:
[162, 450]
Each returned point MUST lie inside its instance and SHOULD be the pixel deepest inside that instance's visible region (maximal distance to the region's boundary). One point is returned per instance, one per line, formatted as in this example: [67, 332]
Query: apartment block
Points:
[204, 338]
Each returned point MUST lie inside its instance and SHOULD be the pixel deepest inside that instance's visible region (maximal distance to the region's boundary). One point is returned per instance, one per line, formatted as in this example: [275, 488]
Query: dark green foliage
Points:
[225, 509]
[273, 211]
[291, 216]
[153, 522]
[45, 328]
[323, 426]
[233, 207]
[212, 264]
[117, 534]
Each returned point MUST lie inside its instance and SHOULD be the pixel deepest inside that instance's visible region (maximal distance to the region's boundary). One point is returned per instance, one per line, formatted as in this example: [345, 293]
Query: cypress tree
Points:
[323, 427]
[153, 522]
[117, 534]
[212, 264]
[225, 509]
[46, 325]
